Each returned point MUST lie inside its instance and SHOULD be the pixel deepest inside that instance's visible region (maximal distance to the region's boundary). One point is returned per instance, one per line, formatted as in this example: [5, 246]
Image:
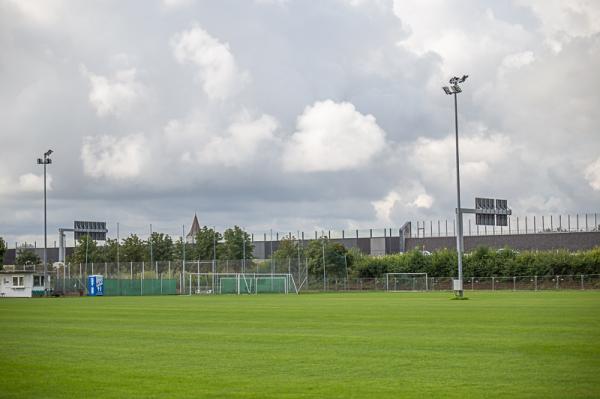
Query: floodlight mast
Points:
[45, 161]
[454, 89]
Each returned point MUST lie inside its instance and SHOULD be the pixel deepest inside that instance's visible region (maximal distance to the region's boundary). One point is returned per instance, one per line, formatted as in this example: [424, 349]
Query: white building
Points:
[21, 284]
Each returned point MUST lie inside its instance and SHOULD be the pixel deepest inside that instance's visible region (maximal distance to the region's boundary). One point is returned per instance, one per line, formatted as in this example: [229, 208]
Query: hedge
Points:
[482, 262]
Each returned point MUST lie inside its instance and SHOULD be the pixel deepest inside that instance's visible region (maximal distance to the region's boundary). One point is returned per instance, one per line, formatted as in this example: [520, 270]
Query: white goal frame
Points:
[244, 283]
[406, 275]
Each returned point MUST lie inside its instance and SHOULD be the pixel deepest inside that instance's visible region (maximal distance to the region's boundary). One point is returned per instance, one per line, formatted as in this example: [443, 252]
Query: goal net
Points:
[240, 283]
[406, 282]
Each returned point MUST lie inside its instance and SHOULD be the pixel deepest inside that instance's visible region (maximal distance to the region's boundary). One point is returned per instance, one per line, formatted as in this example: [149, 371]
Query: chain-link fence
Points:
[162, 278]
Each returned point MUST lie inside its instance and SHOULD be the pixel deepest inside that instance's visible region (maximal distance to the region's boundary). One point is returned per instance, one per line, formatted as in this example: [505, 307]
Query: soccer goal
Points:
[396, 282]
[241, 283]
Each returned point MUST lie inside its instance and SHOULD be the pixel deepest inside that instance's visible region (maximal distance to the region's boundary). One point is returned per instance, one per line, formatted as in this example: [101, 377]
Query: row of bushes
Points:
[482, 262]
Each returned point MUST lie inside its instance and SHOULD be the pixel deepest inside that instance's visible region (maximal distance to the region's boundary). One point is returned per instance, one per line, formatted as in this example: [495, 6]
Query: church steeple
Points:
[191, 236]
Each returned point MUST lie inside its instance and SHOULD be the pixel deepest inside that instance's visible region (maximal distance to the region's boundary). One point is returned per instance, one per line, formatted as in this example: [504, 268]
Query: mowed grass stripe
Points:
[497, 344]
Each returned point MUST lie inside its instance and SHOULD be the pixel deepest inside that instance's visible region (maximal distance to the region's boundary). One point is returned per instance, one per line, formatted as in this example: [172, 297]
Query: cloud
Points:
[217, 70]
[113, 157]
[434, 159]
[42, 12]
[238, 144]
[592, 174]
[563, 20]
[392, 208]
[332, 136]
[177, 3]
[423, 201]
[116, 95]
[30, 182]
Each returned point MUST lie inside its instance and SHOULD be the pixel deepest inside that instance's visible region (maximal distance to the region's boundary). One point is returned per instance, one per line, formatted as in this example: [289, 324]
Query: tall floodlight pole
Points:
[454, 89]
[45, 161]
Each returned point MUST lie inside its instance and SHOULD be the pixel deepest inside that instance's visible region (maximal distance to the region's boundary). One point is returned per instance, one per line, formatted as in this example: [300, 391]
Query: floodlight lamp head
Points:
[454, 80]
[464, 77]
[447, 90]
[40, 161]
[48, 153]
[456, 88]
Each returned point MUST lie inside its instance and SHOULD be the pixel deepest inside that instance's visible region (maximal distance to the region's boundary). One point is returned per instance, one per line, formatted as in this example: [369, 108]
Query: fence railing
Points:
[71, 278]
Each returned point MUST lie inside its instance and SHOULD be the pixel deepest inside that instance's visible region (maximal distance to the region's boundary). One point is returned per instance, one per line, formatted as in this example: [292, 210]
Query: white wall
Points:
[6, 285]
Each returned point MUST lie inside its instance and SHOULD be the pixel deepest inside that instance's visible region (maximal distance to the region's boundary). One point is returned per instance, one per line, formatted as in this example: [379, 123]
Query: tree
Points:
[26, 256]
[134, 249]
[2, 251]
[178, 249]
[288, 248]
[334, 254]
[207, 242]
[86, 251]
[162, 247]
[237, 244]
[108, 252]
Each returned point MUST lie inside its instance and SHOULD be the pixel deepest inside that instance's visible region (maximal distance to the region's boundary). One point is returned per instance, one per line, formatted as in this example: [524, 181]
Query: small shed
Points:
[21, 283]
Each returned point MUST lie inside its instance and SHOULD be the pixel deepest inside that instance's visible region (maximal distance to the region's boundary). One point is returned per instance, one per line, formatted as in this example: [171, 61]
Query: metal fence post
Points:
[557, 278]
[514, 283]
[582, 287]
[535, 283]
[493, 284]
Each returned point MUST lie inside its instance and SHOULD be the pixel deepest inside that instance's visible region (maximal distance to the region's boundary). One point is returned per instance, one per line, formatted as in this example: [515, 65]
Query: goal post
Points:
[398, 282]
[241, 283]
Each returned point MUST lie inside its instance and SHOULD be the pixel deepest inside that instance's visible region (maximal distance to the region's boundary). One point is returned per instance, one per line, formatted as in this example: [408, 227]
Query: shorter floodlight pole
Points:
[45, 161]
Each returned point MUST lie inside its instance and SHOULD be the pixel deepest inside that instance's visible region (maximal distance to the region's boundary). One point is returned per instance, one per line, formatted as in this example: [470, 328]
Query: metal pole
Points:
[118, 245]
[150, 242]
[459, 236]
[183, 260]
[45, 234]
[324, 275]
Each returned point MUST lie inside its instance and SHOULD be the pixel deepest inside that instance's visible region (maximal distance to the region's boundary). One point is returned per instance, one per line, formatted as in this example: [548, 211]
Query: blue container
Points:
[95, 285]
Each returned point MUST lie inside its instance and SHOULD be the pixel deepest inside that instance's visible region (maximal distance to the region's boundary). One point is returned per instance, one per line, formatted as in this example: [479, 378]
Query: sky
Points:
[293, 115]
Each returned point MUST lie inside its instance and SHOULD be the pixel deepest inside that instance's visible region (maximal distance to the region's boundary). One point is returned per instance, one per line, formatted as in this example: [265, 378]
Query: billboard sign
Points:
[96, 230]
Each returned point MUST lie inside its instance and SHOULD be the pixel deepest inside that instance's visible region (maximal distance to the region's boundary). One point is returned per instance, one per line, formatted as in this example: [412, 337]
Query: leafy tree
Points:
[335, 257]
[133, 249]
[162, 247]
[289, 247]
[2, 251]
[207, 240]
[26, 256]
[178, 250]
[86, 250]
[237, 244]
[108, 252]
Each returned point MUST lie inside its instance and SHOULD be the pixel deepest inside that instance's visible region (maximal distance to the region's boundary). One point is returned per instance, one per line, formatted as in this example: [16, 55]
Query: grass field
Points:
[362, 345]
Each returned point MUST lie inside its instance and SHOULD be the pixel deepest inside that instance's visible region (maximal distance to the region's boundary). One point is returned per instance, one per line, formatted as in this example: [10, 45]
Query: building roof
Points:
[195, 227]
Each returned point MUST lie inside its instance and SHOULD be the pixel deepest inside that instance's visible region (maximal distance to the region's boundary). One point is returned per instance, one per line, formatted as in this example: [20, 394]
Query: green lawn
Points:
[362, 345]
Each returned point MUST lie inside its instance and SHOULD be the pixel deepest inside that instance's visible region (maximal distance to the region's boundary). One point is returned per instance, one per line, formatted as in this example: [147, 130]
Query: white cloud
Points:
[177, 3]
[592, 174]
[383, 207]
[116, 95]
[239, 144]
[217, 70]
[423, 201]
[395, 204]
[434, 159]
[30, 182]
[563, 20]
[44, 12]
[468, 37]
[113, 157]
[332, 136]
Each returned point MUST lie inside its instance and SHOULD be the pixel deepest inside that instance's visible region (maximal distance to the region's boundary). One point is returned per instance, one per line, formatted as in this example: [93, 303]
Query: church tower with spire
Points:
[190, 238]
